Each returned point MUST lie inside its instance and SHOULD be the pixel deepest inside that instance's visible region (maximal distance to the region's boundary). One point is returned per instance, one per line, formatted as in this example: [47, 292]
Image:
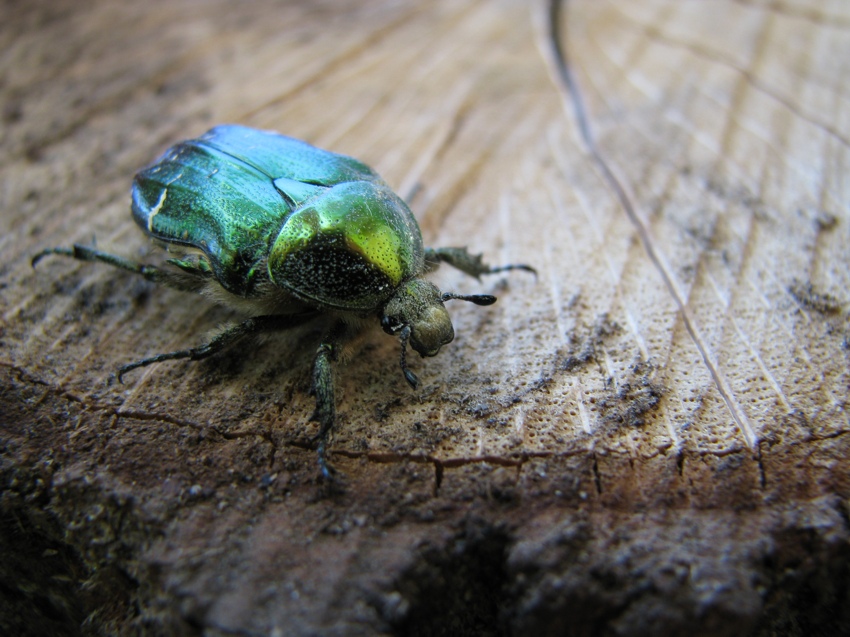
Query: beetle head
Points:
[417, 315]
[416, 312]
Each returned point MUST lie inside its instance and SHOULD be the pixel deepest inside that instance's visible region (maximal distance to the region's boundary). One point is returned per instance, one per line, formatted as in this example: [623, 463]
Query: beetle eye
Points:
[391, 324]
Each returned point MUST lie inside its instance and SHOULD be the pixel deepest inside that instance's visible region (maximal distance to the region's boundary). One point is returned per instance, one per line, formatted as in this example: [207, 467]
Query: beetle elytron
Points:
[294, 231]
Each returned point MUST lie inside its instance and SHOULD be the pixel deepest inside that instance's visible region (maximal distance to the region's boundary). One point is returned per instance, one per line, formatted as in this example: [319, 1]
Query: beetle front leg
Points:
[225, 339]
[323, 390]
[189, 282]
[470, 264]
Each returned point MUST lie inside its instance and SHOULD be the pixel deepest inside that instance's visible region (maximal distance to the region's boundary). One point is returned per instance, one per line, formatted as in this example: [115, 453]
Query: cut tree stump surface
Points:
[651, 437]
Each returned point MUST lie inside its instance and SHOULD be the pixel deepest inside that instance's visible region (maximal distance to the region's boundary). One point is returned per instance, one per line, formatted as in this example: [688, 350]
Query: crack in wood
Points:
[569, 89]
[821, 19]
[441, 464]
[89, 405]
[750, 78]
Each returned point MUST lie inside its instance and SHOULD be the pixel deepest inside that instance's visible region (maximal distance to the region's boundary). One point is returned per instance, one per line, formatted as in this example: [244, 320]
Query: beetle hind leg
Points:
[186, 281]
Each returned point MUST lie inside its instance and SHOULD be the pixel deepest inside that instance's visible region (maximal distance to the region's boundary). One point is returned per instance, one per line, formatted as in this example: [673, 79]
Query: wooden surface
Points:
[650, 438]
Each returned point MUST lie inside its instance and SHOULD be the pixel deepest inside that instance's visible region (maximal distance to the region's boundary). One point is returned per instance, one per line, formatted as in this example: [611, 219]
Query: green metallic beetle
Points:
[290, 231]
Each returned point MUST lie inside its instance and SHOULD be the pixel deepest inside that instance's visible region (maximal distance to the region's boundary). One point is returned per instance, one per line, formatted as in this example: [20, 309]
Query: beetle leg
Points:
[228, 337]
[470, 264]
[189, 282]
[323, 390]
[196, 267]
[409, 376]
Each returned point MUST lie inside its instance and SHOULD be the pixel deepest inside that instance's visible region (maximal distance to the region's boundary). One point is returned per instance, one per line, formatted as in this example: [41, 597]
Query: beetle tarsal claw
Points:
[409, 376]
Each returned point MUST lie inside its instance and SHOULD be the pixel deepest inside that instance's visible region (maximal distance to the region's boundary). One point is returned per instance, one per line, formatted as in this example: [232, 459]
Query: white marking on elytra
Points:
[155, 210]
[161, 201]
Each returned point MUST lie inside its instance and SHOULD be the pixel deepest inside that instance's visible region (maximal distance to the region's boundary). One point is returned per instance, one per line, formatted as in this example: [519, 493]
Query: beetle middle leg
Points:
[188, 282]
[323, 390]
[225, 339]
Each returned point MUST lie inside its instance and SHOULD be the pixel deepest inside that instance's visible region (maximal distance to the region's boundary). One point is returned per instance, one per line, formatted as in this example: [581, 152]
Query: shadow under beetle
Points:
[291, 231]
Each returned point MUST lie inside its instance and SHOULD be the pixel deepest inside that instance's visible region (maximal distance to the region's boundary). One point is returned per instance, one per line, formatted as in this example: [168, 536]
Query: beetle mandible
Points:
[294, 231]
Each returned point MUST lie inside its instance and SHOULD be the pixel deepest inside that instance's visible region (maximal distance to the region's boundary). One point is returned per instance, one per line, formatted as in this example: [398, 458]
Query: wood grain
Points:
[648, 438]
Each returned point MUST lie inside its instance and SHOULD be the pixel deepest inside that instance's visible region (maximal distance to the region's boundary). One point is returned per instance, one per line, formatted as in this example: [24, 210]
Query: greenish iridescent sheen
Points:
[321, 225]
[349, 248]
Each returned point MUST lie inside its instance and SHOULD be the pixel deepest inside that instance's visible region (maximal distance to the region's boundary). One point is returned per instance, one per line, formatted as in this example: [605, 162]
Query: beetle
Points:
[290, 231]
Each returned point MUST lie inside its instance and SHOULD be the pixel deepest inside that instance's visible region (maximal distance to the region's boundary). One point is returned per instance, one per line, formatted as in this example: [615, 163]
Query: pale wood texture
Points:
[649, 438]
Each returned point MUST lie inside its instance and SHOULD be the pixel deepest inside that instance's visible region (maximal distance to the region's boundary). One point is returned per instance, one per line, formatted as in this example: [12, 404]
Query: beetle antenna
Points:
[409, 376]
[478, 299]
